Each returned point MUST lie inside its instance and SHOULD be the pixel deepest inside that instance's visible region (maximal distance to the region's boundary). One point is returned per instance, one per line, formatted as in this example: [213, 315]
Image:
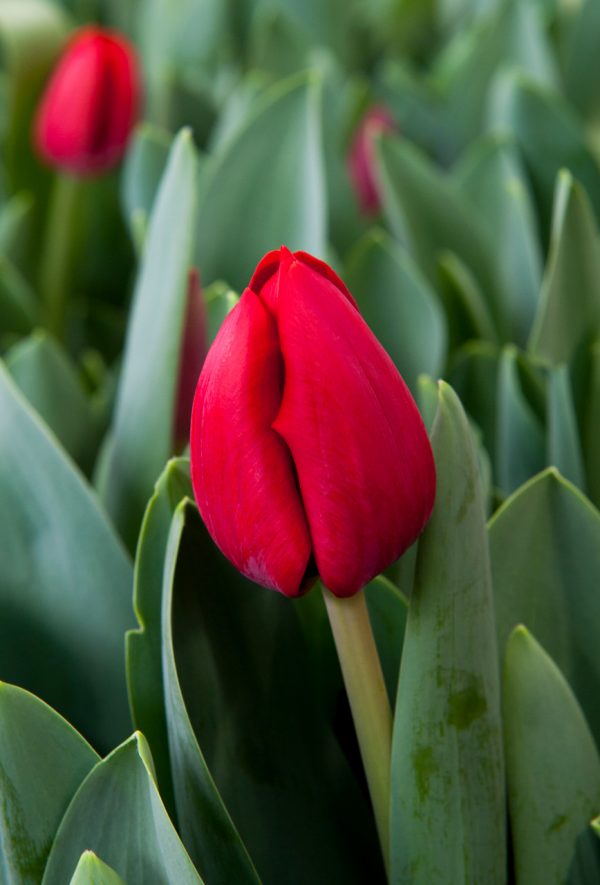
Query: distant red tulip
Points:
[361, 159]
[309, 456]
[193, 353]
[90, 105]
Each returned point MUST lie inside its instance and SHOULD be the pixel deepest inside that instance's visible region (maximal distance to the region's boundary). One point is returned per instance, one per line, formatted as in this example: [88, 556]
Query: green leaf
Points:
[512, 33]
[142, 171]
[260, 683]
[31, 34]
[399, 305]
[206, 826]
[585, 865]
[118, 814]
[173, 37]
[42, 762]
[448, 799]
[427, 399]
[549, 582]
[143, 646]
[45, 375]
[15, 218]
[582, 68]
[428, 214]
[492, 178]
[591, 426]
[474, 376]
[569, 310]
[387, 612]
[552, 764]
[92, 871]
[219, 300]
[548, 134]
[141, 437]
[468, 314]
[65, 579]
[520, 442]
[564, 448]
[19, 308]
[247, 208]
[276, 43]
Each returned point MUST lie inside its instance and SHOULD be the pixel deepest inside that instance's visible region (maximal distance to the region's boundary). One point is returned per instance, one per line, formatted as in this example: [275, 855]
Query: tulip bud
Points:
[308, 453]
[361, 158]
[193, 353]
[90, 105]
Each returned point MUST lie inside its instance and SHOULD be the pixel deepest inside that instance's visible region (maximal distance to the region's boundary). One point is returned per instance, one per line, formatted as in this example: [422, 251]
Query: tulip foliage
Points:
[385, 219]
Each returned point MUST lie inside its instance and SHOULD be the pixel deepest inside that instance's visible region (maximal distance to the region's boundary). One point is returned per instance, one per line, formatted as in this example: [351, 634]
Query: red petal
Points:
[242, 472]
[361, 159]
[265, 279]
[365, 466]
[90, 104]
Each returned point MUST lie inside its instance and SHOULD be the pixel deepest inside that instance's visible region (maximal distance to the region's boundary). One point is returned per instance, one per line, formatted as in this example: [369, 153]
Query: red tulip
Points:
[309, 456]
[193, 353]
[361, 159]
[90, 105]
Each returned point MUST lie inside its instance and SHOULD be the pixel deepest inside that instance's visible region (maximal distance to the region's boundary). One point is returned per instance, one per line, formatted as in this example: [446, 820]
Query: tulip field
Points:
[299, 442]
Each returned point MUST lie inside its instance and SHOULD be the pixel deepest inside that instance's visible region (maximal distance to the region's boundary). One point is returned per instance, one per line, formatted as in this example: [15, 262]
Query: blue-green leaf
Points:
[118, 814]
[42, 762]
[552, 763]
[247, 208]
[399, 305]
[141, 437]
[92, 871]
[564, 447]
[448, 798]
[569, 309]
[65, 581]
[545, 554]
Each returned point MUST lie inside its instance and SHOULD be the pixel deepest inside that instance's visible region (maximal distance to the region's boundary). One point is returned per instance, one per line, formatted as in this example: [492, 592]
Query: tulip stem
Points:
[369, 702]
[59, 250]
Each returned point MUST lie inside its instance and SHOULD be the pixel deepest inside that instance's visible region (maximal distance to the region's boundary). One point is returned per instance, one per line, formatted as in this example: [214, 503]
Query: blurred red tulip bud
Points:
[309, 456]
[193, 354]
[90, 104]
[361, 158]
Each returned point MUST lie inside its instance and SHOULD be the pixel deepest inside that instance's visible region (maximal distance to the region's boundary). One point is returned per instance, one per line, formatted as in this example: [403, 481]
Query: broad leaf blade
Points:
[493, 178]
[591, 431]
[552, 764]
[118, 814]
[549, 582]
[141, 437]
[426, 211]
[447, 766]
[548, 134]
[520, 444]
[143, 645]
[247, 209]
[399, 305]
[45, 375]
[259, 683]
[42, 762]
[206, 826]
[65, 582]
[569, 309]
[564, 447]
[92, 871]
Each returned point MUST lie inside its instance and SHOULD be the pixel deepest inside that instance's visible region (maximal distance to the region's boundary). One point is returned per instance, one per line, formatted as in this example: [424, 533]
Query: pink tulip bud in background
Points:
[309, 456]
[193, 353]
[361, 158]
[90, 104]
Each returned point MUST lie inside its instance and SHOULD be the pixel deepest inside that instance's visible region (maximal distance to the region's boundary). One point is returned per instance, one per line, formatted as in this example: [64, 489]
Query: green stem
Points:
[59, 249]
[369, 702]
